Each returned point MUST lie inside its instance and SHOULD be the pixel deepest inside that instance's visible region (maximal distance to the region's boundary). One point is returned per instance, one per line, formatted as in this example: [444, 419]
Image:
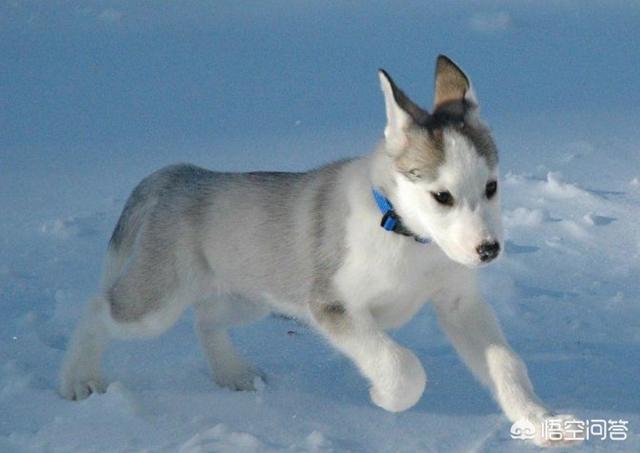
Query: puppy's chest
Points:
[393, 283]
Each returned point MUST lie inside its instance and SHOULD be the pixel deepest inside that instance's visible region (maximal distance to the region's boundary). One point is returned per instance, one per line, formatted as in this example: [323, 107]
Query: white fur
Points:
[473, 219]
[397, 119]
[387, 278]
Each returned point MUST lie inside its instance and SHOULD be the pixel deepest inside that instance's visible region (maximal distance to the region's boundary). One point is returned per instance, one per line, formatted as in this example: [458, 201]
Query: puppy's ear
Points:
[452, 85]
[402, 113]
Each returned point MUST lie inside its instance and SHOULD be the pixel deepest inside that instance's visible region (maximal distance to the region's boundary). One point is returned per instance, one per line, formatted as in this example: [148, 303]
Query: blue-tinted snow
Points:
[94, 95]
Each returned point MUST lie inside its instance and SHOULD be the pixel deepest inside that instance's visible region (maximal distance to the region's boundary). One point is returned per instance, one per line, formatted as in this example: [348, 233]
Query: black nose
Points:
[488, 251]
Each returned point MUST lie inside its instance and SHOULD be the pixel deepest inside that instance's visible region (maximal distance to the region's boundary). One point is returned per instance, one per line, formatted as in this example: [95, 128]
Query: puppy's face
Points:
[455, 199]
[445, 168]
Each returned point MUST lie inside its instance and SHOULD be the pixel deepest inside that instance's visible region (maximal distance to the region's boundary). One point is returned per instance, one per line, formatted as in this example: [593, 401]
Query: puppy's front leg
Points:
[474, 331]
[397, 376]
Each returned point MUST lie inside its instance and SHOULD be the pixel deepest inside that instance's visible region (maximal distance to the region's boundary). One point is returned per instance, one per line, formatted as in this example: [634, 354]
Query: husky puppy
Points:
[352, 248]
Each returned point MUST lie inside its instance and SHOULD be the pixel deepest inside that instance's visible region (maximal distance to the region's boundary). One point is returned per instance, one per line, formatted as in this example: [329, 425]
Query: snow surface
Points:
[94, 95]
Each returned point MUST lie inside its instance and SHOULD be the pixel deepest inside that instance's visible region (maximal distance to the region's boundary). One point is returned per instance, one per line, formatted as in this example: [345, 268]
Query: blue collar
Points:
[391, 221]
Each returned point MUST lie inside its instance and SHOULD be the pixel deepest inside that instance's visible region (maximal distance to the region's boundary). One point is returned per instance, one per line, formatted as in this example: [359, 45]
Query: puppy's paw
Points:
[240, 378]
[401, 382]
[76, 388]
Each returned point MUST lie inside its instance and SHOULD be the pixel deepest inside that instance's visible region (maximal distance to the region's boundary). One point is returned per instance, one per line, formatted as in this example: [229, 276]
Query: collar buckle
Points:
[391, 221]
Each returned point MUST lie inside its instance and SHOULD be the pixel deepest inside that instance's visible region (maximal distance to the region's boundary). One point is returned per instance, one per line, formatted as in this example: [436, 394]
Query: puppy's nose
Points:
[488, 251]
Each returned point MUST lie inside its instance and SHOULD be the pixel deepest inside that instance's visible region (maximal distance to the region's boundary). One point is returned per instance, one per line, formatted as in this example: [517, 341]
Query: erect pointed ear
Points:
[401, 112]
[452, 84]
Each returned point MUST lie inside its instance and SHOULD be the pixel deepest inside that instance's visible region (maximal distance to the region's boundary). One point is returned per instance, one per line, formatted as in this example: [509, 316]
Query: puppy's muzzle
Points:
[488, 251]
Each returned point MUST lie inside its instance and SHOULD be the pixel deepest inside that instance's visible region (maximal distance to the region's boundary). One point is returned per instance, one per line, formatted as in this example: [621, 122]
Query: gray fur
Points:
[462, 118]
[482, 140]
[424, 151]
[179, 220]
[423, 155]
[329, 214]
[332, 317]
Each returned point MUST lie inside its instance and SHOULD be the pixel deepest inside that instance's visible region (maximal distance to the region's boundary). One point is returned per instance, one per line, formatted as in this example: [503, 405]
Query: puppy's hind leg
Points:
[213, 319]
[80, 374]
[138, 304]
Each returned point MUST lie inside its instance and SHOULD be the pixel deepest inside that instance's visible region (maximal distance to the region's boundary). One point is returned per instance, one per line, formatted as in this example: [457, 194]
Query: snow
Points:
[95, 95]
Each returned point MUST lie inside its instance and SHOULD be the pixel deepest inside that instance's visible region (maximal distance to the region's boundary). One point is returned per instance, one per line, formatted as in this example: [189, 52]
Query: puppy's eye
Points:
[491, 189]
[444, 198]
